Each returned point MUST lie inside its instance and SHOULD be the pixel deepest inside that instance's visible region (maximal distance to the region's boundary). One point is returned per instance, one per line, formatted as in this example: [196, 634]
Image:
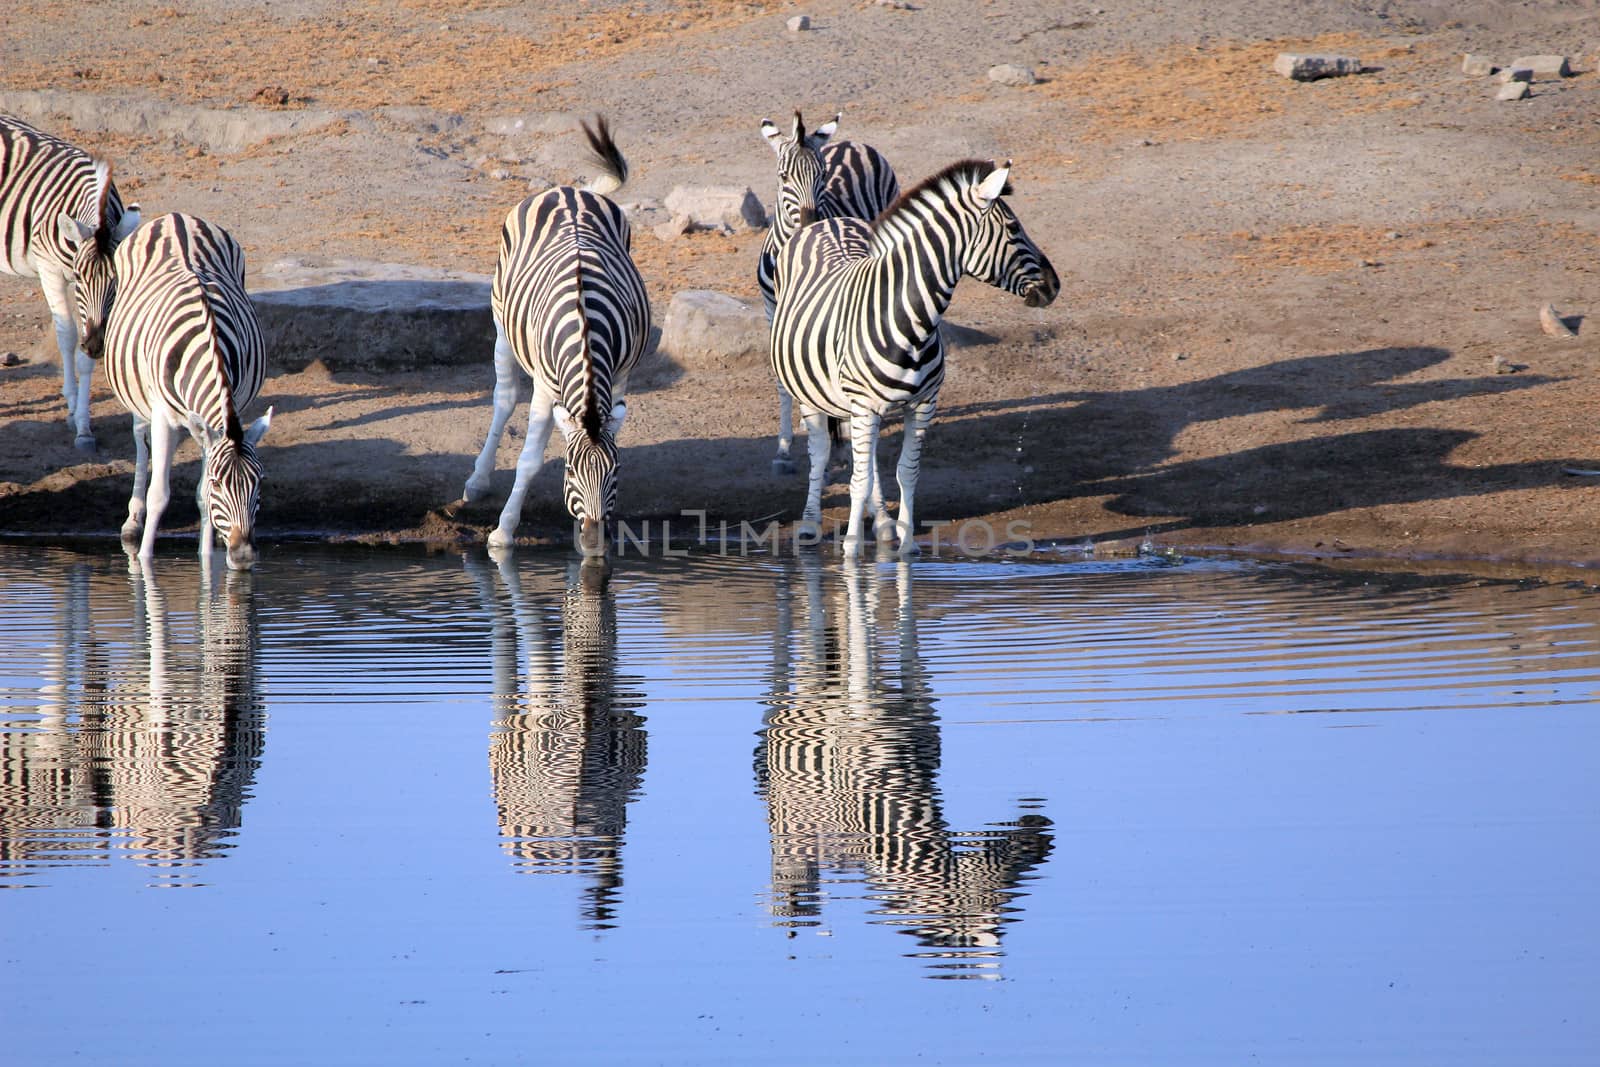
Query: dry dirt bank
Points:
[1283, 304]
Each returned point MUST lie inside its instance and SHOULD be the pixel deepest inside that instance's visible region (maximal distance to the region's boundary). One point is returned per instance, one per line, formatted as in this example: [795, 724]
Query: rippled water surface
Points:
[387, 808]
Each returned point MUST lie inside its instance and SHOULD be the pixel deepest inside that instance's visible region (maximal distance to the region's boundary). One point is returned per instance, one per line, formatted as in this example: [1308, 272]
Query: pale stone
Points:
[1477, 66]
[358, 315]
[1011, 74]
[1551, 322]
[714, 206]
[1516, 74]
[707, 328]
[1544, 66]
[1513, 91]
[799, 23]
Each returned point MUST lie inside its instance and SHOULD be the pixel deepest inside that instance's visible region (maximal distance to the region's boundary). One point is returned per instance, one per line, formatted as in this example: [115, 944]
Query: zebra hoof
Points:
[501, 538]
[909, 547]
[132, 533]
[807, 532]
[84, 443]
[471, 494]
[850, 547]
[783, 465]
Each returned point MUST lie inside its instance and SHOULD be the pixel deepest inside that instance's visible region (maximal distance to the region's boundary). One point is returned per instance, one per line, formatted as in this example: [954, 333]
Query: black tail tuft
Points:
[603, 150]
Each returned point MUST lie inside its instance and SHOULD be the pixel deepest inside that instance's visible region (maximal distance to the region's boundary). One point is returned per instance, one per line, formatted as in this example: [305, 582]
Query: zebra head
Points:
[1001, 253]
[94, 280]
[799, 171]
[590, 482]
[232, 484]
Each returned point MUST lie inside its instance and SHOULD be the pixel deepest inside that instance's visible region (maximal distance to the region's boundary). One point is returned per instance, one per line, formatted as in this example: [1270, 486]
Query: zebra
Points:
[62, 217]
[570, 308]
[848, 764]
[816, 180]
[856, 336]
[183, 350]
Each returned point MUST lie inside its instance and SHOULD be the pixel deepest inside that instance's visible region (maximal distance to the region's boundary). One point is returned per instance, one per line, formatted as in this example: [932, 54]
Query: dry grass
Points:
[366, 57]
[1226, 90]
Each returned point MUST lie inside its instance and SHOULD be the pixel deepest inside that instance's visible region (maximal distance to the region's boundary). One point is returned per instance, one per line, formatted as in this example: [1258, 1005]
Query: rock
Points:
[1502, 365]
[357, 315]
[707, 328]
[499, 174]
[799, 24]
[674, 228]
[897, 5]
[1516, 74]
[1477, 66]
[1011, 74]
[10, 359]
[1310, 68]
[539, 183]
[713, 206]
[1513, 91]
[1544, 66]
[1552, 323]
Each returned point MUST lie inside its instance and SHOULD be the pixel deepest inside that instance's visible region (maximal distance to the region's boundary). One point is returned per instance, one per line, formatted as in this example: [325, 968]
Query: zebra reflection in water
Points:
[148, 737]
[848, 763]
[567, 752]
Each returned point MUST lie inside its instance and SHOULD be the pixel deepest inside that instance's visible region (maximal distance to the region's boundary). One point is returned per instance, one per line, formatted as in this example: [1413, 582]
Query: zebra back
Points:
[857, 182]
[183, 328]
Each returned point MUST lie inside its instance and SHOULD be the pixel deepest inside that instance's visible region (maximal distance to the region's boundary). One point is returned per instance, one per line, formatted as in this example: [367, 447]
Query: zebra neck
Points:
[915, 266]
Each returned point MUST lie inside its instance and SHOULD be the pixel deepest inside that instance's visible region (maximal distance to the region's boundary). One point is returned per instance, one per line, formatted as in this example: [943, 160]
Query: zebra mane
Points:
[963, 172]
[102, 194]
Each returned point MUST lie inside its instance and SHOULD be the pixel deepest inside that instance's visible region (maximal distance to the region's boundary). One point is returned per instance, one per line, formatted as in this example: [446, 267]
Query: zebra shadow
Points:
[151, 727]
[567, 749]
[848, 762]
[1120, 445]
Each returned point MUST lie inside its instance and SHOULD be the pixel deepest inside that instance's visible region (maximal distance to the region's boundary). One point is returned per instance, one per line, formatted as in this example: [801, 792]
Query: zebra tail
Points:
[605, 154]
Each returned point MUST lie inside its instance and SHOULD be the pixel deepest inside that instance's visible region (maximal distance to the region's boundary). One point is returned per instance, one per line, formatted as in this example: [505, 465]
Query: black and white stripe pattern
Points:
[816, 180]
[61, 217]
[183, 351]
[856, 333]
[848, 764]
[570, 308]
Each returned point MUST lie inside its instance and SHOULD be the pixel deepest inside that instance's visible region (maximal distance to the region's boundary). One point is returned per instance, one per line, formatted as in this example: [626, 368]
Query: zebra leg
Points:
[810, 526]
[163, 446]
[917, 421]
[528, 464]
[505, 399]
[77, 369]
[134, 527]
[781, 463]
[863, 472]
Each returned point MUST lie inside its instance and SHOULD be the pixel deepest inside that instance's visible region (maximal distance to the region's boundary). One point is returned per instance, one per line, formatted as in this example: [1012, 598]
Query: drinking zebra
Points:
[183, 350]
[61, 218]
[570, 308]
[856, 336]
[816, 180]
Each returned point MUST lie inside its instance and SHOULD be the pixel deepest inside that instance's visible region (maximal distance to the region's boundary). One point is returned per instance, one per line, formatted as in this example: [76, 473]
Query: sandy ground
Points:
[1295, 316]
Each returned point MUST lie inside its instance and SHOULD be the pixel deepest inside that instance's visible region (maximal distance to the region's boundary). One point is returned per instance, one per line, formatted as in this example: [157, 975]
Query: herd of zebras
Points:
[855, 277]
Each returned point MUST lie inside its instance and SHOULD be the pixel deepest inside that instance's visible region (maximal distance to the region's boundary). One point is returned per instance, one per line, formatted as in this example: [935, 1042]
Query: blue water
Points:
[381, 807]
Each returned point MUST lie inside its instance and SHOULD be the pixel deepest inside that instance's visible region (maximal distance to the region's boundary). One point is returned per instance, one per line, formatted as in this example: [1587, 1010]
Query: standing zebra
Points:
[570, 308]
[856, 332]
[183, 350]
[816, 180]
[61, 218]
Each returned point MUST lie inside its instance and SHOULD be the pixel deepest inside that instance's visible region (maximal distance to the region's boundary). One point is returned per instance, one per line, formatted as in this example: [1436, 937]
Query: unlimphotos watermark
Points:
[693, 531]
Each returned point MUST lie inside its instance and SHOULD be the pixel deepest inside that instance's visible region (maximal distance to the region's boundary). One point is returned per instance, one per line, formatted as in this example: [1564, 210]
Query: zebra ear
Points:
[773, 135]
[258, 429]
[619, 411]
[820, 135]
[990, 188]
[72, 231]
[564, 420]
